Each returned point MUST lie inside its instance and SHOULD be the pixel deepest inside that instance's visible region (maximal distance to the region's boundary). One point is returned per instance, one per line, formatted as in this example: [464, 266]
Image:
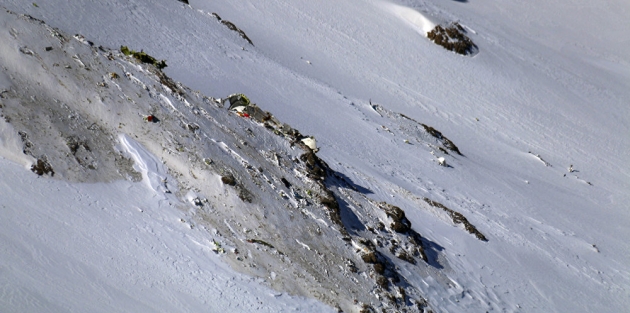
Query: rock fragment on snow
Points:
[42, 167]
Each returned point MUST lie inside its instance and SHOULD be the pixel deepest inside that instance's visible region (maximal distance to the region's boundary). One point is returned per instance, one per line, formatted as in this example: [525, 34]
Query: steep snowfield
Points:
[263, 198]
[117, 247]
[548, 89]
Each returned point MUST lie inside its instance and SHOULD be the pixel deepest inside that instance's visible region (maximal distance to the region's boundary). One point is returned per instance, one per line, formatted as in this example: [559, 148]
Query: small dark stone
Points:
[49, 48]
[382, 281]
[403, 255]
[369, 258]
[400, 223]
[379, 268]
[315, 167]
[285, 182]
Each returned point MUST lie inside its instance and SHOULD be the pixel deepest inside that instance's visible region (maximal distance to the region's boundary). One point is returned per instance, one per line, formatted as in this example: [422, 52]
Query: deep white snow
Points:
[548, 89]
[115, 247]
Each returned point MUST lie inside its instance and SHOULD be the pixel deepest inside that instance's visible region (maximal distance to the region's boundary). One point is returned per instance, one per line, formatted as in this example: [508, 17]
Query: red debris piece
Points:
[245, 115]
[150, 118]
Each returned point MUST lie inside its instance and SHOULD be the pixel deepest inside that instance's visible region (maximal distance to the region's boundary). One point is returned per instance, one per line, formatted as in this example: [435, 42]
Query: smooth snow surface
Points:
[414, 18]
[548, 89]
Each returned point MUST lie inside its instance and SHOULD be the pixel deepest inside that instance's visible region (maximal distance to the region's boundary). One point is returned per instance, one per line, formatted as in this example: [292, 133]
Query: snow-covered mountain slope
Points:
[547, 89]
[116, 247]
[100, 247]
[261, 195]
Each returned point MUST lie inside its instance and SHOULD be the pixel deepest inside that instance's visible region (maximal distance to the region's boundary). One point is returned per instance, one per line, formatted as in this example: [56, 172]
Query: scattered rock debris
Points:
[453, 38]
[445, 141]
[169, 83]
[228, 180]
[233, 27]
[537, 156]
[400, 223]
[260, 242]
[27, 51]
[315, 185]
[595, 248]
[458, 218]
[82, 40]
[143, 57]
[42, 167]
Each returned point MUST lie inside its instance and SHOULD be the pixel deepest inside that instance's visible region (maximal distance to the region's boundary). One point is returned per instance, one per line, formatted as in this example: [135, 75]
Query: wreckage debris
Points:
[151, 119]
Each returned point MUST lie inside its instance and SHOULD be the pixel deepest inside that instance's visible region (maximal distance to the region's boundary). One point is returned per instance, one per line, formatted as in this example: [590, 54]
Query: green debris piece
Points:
[238, 100]
[143, 57]
[125, 50]
[35, 5]
[217, 247]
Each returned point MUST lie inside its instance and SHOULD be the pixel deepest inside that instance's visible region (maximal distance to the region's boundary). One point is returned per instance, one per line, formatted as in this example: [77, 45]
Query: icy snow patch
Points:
[152, 170]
